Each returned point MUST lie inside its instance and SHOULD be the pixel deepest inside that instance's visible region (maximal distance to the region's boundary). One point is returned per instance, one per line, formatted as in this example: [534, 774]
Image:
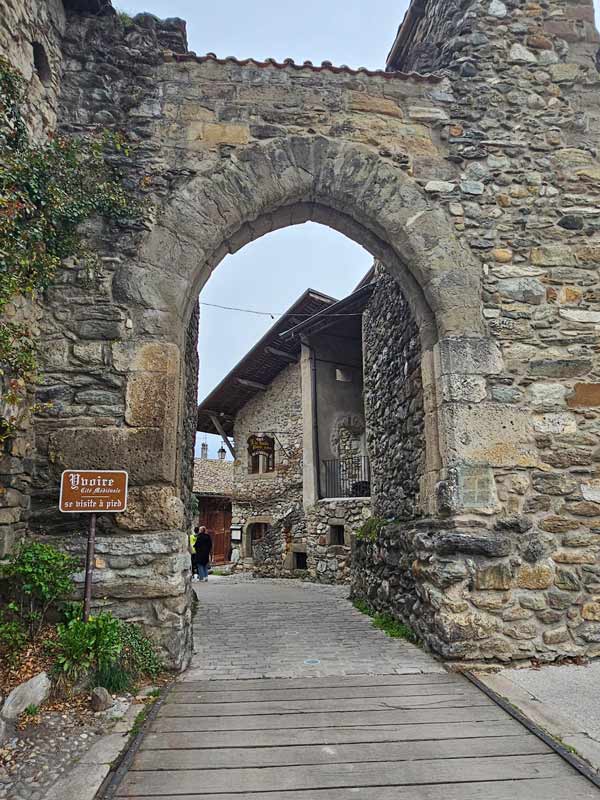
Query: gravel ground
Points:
[35, 758]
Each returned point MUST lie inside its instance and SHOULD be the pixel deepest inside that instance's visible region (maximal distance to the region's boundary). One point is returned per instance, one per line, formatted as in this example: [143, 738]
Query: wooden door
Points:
[218, 524]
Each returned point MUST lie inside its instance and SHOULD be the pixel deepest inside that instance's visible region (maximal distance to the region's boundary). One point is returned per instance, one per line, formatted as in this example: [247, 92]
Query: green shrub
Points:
[39, 576]
[12, 634]
[72, 610]
[370, 530]
[86, 647]
[139, 655]
[32, 710]
[114, 678]
[125, 18]
[137, 659]
[74, 650]
[113, 653]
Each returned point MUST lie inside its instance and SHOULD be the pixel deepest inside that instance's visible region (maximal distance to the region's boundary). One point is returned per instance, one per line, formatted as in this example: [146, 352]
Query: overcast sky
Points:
[269, 274]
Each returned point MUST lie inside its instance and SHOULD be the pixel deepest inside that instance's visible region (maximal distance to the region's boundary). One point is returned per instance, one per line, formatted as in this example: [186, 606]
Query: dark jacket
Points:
[203, 547]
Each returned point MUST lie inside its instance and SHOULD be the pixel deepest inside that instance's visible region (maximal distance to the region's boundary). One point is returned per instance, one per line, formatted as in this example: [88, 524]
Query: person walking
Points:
[203, 548]
[194, 557]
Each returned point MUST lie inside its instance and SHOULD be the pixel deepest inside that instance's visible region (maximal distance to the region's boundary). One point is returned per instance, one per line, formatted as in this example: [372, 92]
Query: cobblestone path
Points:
[293, 695]
[269, 629]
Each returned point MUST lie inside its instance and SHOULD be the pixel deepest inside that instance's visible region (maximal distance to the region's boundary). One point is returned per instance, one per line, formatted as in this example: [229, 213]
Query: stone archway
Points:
[263, 188]
[477, 200]
[233, 151]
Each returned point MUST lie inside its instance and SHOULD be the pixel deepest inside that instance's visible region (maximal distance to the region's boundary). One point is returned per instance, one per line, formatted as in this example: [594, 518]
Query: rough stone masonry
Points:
[469, 170]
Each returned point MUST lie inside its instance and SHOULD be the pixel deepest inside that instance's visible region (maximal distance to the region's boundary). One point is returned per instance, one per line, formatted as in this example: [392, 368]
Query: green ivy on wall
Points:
[46, 191]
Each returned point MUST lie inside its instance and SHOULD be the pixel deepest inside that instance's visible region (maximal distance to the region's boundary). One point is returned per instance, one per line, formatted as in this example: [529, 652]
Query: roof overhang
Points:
[253, 374]
[352, 305]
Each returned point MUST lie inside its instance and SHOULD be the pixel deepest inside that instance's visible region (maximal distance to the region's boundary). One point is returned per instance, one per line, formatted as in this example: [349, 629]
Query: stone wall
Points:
[276, 496]
[393, 401]
[30, 40]
[524, 130]
[477, 188]
[190, 416]
[23, 26]
[213, 476]
[329, 562]
[90, 344]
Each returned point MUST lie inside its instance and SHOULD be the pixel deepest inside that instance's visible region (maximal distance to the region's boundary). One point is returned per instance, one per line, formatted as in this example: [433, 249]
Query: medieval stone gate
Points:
[474, 181]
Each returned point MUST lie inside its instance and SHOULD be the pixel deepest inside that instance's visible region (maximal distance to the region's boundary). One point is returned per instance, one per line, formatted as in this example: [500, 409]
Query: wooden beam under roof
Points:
[273, 351]
[251, 384]
[217, 423]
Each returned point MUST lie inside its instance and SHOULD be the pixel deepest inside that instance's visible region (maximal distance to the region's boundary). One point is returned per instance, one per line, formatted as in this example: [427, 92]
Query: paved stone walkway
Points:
[367, 717]
[248, 628]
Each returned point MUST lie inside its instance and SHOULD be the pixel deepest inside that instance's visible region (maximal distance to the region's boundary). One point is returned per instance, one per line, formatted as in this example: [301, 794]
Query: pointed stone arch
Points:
[348, 187]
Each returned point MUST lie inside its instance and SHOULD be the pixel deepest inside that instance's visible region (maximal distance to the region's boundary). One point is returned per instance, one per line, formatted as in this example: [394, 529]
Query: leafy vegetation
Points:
[394, 628]
[47, 190]
[370, 529]
[124, 17]
[105, 651]
[362, 606]
[86, 647]
[139, 656]
[387, 623]
[12, 634]
[39, 577]
[114, 653]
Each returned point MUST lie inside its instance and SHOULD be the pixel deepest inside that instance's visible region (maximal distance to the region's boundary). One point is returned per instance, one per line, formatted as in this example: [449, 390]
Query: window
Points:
[300, 561]
[261, 454]
[41, 64]
[337, 535]
[258, 531]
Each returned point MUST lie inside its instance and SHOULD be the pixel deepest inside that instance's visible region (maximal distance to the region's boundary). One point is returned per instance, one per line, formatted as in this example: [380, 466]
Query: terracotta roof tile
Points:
[289, 63]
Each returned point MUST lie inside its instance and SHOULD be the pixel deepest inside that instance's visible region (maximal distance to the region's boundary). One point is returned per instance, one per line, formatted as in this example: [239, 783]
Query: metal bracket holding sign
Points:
[85, 491]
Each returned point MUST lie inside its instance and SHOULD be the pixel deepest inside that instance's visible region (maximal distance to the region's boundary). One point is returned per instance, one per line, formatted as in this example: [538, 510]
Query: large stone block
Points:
[213, 134]
[491, 434]
[147, 454]
[585, 395]
[535, 576]
[152, 507]
[476, 489]
[152, 544]
[161, 357]
[374, 104]
[31, 693]
[150, 401]
[470, 355]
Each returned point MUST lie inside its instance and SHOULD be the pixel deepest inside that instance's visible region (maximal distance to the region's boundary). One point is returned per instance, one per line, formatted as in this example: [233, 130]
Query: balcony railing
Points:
[346, 477]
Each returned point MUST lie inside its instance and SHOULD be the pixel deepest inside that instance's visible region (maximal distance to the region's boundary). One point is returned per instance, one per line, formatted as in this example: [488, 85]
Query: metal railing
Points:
[346, 477]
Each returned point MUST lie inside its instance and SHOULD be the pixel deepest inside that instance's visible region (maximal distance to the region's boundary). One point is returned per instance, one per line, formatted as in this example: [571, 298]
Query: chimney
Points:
[204, 451]
[222, 453]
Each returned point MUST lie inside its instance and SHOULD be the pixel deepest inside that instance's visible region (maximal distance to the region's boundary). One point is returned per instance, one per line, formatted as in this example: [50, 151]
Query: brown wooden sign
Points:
[95, 491]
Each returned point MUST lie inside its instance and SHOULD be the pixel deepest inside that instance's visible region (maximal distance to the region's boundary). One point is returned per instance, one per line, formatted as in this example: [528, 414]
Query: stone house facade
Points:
[468, 168]
[287, 519]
